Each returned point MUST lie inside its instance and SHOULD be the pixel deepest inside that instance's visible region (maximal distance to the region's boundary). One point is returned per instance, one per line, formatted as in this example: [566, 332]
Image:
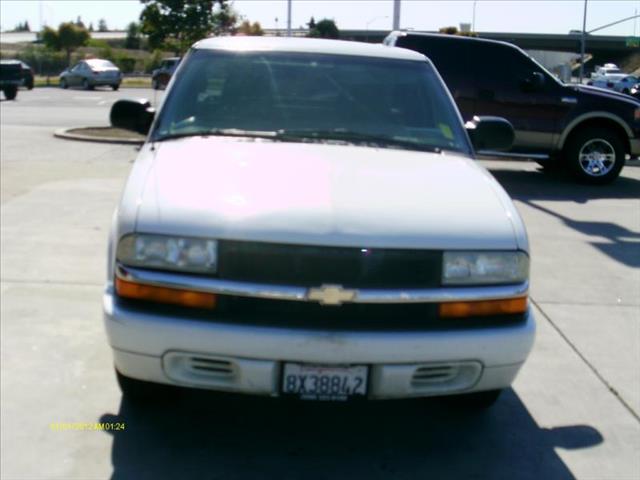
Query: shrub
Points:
[153, 61]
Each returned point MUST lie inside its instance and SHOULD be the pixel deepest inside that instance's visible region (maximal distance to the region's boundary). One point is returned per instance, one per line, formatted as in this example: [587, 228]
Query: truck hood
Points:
[322, 194]
[605, 93]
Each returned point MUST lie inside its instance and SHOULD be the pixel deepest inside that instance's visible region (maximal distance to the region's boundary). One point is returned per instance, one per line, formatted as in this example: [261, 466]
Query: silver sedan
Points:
[91, 73]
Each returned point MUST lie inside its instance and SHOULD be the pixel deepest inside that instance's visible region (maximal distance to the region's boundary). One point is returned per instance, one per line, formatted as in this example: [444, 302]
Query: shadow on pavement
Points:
[205, 435]
[620, 243]
[615, 241]
[527, 185]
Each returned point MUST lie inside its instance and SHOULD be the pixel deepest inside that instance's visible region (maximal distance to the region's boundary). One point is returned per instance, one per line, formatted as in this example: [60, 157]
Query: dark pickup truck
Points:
[589, 131]
[10, 78]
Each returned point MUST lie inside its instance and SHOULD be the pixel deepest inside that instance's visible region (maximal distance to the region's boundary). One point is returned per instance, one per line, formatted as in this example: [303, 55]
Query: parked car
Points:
[606, 69]
[10, 78]
[625, 84]
[307, 219]
[620, 82]
[92, 73]
[584, 129]
[161, 76]
[27, 76]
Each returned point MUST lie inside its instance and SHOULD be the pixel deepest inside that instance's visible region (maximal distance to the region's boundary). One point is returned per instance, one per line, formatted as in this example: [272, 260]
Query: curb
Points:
[67, 134]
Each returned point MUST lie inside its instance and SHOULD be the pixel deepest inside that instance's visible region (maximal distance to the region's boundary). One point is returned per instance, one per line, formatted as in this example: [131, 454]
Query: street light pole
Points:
[288, 18]
[473, 20]
[396, 14]
[584, 28]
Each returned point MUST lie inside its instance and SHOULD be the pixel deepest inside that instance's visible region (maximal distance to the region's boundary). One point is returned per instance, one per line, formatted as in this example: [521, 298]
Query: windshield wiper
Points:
[221, 132]
[302, 135]
[354, 137]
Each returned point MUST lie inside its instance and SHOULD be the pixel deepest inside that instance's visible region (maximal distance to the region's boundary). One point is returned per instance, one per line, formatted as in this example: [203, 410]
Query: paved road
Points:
[573, 411]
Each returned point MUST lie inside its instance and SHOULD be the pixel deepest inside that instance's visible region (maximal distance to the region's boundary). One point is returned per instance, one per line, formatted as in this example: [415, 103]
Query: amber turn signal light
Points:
[483, 308]
[186, 298]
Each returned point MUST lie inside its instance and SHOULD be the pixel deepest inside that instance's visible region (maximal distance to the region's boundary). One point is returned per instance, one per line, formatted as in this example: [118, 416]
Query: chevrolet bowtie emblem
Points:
[331, 295]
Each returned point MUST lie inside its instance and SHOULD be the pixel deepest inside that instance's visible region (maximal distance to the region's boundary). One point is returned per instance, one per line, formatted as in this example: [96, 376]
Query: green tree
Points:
[91, 26]
[311, 24]
[325, 28]
[22, 27]
[247, 28]
[183, 22]
[102, 25]
[455, 31]
[67, 38]
[132, 42]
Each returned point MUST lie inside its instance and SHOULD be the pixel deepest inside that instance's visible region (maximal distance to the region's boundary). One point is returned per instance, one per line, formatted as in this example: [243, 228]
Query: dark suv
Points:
[160, 77]
[588, 130]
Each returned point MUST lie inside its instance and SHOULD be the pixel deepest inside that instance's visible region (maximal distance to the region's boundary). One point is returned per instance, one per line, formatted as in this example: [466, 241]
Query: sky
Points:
[533, 16]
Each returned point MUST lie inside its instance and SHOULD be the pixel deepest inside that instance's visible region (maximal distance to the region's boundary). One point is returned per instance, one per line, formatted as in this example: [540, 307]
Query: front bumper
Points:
[249, 358]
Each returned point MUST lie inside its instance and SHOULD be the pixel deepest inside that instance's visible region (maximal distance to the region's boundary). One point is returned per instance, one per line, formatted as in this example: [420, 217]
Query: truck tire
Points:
[141, 392]
[476, 400]
[10, 92]
[595, 155]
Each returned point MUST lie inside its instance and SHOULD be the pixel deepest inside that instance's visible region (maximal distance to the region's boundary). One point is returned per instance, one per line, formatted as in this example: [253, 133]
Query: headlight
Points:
[482, 268]
[182, 254]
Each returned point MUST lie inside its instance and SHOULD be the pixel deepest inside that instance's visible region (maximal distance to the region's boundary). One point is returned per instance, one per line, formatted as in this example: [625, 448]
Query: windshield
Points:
[318, 97]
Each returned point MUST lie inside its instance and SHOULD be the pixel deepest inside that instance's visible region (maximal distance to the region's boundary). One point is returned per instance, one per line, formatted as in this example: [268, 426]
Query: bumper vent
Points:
[213, 368]
[438, 374]
[220, 373]
[443, 378]
[200, 369]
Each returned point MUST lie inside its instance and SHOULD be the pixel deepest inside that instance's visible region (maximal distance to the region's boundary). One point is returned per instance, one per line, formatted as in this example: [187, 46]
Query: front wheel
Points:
[11, 92]
[115, 87]
[86, 85]
[141, 392]
[64, 84]
[155, 85]
[595, 155]
[476, 400]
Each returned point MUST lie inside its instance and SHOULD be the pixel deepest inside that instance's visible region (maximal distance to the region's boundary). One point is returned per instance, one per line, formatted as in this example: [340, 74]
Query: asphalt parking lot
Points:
[574, 411]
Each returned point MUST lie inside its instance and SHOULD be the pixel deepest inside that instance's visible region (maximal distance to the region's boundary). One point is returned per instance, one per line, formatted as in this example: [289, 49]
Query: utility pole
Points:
[289, 18]
[473, 20]
[396, 14]
[584, 28]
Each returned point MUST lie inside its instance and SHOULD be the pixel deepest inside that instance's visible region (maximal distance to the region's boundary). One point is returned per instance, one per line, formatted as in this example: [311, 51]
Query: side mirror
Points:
[490, 133]
[136, 115]
[533, 83]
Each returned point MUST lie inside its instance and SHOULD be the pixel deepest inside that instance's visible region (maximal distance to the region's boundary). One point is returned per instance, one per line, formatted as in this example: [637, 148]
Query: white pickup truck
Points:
[307, 219]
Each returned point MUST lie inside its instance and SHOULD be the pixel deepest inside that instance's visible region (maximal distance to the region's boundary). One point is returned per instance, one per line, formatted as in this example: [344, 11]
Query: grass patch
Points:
[108, 132]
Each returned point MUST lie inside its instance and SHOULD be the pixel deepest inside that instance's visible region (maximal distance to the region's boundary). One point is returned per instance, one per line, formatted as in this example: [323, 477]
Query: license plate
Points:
[323, 382]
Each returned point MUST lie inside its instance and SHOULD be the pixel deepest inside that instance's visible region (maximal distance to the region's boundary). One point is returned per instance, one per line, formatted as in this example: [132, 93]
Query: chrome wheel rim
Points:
[597, 157]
